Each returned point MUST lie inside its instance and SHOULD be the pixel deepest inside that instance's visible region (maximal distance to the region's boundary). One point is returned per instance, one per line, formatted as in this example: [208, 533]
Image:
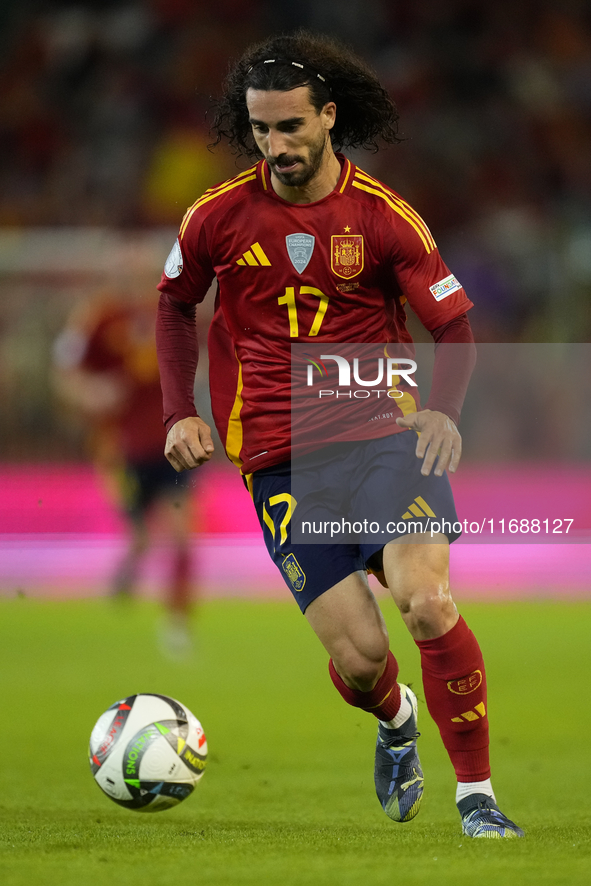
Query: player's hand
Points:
[188, 444]
[439, 439]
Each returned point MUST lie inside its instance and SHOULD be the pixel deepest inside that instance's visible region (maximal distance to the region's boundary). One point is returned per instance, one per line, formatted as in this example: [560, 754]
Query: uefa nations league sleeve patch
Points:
[445, 287]
[174, 263]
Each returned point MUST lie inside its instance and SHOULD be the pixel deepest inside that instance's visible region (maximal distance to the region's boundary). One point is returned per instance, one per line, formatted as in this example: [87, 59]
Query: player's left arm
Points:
[440, 302]
[455, 355]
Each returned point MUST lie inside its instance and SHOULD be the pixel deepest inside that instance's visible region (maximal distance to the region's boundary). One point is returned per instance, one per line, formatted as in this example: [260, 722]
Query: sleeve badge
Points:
[174, 263]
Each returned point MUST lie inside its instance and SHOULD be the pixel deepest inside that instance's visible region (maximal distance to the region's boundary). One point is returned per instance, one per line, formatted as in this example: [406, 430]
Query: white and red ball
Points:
[147, 752]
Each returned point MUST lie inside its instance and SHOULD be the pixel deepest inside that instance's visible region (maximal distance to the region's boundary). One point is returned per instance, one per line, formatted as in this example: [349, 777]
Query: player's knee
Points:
[431, 610]
[362, 668]
[140, 543]
[361, 675]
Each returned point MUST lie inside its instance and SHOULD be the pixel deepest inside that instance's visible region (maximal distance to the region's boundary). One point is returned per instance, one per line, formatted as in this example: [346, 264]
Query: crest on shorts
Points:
[346, 255]
[300, 248]
[294, 572]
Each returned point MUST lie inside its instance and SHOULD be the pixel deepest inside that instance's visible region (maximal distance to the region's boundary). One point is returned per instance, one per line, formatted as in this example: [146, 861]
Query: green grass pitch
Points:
[287, 797]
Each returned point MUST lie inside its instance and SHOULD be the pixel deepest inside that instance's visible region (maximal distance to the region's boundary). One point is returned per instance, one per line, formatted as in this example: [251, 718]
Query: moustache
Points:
[284, 160]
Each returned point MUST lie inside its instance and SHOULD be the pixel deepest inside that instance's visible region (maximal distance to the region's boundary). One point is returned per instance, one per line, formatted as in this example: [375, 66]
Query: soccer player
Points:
[107, 369]
[306, 247]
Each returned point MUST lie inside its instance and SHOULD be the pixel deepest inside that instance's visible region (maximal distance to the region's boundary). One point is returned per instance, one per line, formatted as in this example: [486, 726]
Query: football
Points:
[147, 752]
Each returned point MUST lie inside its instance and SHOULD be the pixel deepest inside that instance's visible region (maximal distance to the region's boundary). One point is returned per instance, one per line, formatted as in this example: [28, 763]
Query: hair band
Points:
[285, 61]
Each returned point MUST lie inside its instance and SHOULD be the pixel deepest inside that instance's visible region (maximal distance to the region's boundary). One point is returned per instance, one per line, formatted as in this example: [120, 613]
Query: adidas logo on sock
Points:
[479, 711]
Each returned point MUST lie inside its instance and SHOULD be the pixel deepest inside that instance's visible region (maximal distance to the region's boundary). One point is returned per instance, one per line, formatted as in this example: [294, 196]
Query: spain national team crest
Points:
[294, 572]
[346, 255]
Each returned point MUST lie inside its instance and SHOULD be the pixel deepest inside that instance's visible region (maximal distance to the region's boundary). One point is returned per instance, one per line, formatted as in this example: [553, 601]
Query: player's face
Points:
[292, 136]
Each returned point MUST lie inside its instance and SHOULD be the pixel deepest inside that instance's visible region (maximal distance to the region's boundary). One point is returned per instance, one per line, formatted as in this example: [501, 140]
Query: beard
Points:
[309, 168]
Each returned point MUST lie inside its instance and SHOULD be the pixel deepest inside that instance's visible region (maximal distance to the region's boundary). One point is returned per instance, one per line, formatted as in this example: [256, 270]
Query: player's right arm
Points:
[188, 440]
[186, 278]
[188, 443]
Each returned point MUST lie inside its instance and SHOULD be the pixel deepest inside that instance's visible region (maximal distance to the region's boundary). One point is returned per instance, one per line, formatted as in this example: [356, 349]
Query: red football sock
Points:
[383, 701]
[455, 692]
[180, 589]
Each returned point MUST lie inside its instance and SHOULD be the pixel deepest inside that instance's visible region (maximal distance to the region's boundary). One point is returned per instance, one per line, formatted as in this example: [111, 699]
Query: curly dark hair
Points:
[365, 111]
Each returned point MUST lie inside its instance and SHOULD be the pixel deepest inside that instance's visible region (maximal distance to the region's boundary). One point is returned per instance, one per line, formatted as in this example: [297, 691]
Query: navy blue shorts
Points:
[353, 499]
[141, 483]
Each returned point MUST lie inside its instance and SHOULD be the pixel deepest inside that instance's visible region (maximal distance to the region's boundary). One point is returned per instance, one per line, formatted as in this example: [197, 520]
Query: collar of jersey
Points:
[264, 179]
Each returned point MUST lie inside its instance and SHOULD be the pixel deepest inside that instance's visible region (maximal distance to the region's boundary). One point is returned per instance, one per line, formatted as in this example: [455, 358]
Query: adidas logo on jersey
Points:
[414, 510]
[255, 257]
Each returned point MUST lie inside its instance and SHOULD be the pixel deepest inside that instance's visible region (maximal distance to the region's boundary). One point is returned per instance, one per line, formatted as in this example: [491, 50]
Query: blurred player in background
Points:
[107, 369]
[307, 247]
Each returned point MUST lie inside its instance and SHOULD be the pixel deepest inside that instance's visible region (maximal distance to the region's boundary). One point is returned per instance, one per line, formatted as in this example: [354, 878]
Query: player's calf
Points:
[397, 774]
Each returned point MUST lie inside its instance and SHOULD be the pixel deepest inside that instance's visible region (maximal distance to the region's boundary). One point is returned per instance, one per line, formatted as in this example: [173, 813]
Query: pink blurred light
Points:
[61, 535]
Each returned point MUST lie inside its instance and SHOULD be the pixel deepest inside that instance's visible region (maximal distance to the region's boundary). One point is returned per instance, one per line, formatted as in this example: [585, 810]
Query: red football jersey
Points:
[119, 341]
[336, 270]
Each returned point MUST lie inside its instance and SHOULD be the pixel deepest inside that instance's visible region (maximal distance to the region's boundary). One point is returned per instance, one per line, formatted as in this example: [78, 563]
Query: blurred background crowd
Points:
[105, 108]
[104, 142]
